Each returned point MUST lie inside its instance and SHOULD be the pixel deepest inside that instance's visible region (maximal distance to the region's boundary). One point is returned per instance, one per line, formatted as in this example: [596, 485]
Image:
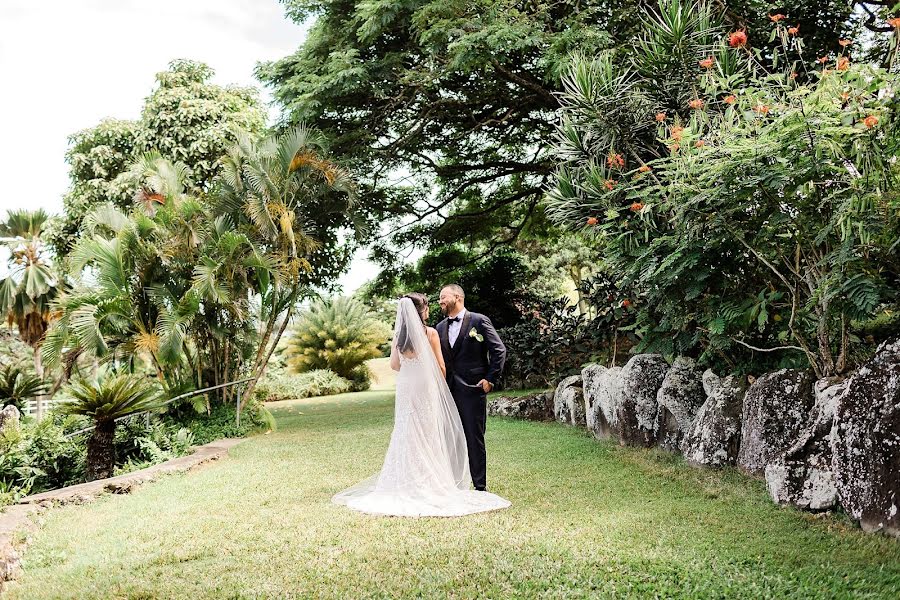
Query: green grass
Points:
[589, 519]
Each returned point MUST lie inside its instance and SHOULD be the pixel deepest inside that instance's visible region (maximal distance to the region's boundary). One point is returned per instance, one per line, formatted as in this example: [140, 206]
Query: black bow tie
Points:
[454, 319]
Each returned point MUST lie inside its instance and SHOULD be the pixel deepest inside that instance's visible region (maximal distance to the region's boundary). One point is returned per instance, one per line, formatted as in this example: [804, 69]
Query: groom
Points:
[474, 356]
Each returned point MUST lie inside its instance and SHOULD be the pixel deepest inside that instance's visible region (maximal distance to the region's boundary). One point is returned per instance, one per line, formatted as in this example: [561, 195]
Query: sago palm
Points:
[17, 386]
[104, 401]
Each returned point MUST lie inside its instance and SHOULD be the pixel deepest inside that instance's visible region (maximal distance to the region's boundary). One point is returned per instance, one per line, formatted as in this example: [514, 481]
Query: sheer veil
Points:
[426, 469]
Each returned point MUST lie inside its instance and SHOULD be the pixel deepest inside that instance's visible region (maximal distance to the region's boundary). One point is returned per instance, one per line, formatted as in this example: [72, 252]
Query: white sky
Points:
[67, 64]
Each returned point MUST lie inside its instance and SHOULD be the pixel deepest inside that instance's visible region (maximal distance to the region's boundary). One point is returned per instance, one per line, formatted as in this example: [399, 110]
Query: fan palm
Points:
[106, 400]
[27, 292]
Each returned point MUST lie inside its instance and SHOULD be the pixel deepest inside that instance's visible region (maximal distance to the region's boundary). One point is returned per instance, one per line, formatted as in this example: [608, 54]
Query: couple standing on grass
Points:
[437, 446]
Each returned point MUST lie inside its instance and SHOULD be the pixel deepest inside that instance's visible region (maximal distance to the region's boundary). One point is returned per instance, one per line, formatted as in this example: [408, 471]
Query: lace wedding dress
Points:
[426, 468]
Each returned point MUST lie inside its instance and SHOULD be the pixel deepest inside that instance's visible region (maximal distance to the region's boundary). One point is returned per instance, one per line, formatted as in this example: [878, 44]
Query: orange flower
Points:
[592, 221]
[626, 303]
[159, 198]
[870, 121]
[822, 59]
[845, 43]
[707, 63]
[676, 132]
[843, 63]
[674, 148]
[761, 109]
[615, 161]
[737, 39]
[636, 207]
[730, 99]
[644, 169]
[793, 30]
[845, 95]
[610, 184]
[660, 117]
[699, 144]
[696, 104]
[776, 18]
[895, 22]
[793, 75]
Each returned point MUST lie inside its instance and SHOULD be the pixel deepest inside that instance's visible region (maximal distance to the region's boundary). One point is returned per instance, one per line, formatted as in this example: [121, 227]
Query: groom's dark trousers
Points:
[477, 354]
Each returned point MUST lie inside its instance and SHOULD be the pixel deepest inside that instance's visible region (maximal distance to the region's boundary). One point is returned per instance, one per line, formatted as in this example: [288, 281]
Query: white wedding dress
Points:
[426, 469]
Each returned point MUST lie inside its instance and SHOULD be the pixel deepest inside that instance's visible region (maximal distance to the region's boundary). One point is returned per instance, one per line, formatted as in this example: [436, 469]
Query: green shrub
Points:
[288, 386]
[220, 423]
[339, 334]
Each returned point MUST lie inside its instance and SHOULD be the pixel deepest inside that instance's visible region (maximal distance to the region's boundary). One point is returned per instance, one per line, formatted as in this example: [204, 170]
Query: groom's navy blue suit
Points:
[469, 361]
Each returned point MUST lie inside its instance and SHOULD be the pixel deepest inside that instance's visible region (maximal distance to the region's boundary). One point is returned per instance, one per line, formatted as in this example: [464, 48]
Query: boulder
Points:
[866, 442]
[776, 409]
[602, 394]
[534, 407]
[9, 416]
[714, 437]
[679, 398]
[803, 475]
[568, 401]
[642, 377]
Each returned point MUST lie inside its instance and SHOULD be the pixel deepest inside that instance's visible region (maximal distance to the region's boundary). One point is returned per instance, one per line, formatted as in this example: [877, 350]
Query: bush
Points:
[221, 422]
[755, 211]
[289, 386]
[339, 334]
[35, 457]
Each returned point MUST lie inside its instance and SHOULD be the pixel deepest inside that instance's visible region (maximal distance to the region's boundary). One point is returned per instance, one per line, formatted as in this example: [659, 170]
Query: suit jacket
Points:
[470, 360]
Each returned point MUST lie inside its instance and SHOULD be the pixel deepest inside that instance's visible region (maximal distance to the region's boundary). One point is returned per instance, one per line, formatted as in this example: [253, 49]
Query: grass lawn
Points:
[589, 519]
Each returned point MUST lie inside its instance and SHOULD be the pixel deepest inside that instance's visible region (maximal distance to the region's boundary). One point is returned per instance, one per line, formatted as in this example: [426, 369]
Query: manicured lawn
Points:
[588, 519]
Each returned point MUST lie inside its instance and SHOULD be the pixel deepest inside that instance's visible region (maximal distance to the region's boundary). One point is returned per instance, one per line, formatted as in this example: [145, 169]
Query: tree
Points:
[186, 118]
[202, 287]
[449, 108]
[17, 386]
[27, 292]
[338, 334]
[106, 400]
[768, 221]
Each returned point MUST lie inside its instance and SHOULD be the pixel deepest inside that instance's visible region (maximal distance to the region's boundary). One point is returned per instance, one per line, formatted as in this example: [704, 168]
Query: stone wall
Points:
[819, 444]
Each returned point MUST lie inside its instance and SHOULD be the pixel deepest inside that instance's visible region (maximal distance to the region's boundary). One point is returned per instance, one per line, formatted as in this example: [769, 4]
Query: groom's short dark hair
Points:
[456, 289]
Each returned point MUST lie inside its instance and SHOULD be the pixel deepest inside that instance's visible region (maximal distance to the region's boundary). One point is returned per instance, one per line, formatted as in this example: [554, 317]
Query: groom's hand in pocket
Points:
[486, 385]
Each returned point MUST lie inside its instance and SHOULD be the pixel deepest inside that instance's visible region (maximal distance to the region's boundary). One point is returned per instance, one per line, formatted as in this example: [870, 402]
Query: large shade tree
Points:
[186, 118]
[449, 108]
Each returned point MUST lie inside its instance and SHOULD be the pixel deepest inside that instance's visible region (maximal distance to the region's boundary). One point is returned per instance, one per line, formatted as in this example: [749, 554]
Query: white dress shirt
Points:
[453, 331]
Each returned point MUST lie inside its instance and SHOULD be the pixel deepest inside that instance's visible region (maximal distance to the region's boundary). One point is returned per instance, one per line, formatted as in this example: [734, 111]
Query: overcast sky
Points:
[67, 64]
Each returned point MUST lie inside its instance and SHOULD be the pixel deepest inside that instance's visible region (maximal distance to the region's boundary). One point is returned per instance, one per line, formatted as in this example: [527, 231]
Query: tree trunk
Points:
[101, 451]
[39, 371]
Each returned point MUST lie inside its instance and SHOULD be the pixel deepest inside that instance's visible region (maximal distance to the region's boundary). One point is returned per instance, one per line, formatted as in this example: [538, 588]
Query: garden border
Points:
[17, 517]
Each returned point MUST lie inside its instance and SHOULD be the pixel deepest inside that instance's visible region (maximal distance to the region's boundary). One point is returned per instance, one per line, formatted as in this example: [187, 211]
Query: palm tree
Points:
[27, 292]
[284, 184]
[17, 386]
[106, 400]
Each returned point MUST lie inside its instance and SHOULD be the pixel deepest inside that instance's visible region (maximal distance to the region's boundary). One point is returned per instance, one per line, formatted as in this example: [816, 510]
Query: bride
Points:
[426, 469]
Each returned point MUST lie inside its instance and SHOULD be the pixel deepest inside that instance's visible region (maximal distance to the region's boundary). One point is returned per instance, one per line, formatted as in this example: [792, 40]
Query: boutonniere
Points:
[473, 333]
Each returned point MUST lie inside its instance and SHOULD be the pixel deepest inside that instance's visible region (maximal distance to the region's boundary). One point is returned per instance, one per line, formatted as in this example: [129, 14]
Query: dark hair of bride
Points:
[404, 341]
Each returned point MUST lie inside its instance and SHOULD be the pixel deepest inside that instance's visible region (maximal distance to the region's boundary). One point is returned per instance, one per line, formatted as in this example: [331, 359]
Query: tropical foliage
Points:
[753, 212]
[17, 386]
[290, 386]
[449, 108]
[104, 401]
[201, 288]
[27, 292]
[186, 118]
[338, 334]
